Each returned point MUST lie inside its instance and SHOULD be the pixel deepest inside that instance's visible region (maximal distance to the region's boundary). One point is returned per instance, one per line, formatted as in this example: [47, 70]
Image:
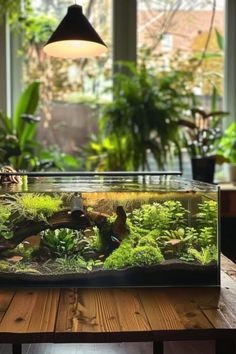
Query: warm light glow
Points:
[74, 49]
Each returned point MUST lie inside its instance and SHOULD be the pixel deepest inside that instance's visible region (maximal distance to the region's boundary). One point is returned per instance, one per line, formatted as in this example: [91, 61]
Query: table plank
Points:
[31, 311]
[159, 310]
[99, 311]
[6, 296]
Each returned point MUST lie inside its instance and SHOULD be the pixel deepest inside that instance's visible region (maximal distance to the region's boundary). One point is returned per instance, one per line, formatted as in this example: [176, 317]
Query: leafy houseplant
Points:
[16, 134]
[144, 117]
[18, 145]
[227, 149]
[201, 139]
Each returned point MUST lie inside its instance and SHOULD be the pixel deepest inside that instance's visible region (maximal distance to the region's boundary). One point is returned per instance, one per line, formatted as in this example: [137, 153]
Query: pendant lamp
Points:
[75, 37]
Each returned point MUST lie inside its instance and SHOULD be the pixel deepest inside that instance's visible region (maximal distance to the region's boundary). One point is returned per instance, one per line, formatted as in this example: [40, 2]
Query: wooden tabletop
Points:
[114, 315]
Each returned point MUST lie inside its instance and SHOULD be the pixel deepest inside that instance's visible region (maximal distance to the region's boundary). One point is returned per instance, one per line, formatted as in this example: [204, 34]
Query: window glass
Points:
[184, 34]
[66, 83]
[185, 39]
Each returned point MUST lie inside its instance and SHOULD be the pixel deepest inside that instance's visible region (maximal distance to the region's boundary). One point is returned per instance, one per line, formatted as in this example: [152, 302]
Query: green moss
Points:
[146, 256]
[147, 241]
[38, 206]
[121, 257]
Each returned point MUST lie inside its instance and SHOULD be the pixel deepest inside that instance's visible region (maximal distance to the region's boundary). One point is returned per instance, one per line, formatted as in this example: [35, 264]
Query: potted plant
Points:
[227, 149]
[142, 122]
[201, 139]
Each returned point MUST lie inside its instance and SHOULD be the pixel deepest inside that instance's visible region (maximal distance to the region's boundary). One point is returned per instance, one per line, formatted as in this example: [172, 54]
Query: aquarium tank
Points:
[108, 230]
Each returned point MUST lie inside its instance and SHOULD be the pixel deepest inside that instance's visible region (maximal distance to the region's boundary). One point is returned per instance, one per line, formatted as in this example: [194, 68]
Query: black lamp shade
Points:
[75, 37]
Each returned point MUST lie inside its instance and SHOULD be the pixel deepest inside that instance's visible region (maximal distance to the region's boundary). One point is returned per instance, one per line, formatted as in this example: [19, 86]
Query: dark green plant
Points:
[62, 242]
[144, 116]
[17, 135]
[204, 130]
[146, 256]
[18, 144]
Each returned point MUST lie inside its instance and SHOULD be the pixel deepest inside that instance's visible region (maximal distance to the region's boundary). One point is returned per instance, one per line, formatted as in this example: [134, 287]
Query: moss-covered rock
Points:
[146, 256]
[121, 257]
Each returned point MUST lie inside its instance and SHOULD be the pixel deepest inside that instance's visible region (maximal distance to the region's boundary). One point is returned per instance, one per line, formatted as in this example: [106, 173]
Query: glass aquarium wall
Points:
[107, 230]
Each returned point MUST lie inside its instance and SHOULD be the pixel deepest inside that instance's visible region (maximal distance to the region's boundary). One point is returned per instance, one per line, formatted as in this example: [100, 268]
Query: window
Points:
[65, 83]
[178, 32]
[187, 36]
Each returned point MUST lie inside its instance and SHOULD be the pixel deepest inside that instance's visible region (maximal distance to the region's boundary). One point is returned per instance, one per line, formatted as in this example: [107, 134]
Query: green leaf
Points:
[27, 104]
[220, 39]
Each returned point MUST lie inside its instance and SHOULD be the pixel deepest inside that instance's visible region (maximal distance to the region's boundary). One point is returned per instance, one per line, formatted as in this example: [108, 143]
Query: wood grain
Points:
[116, 315]
[31, 311]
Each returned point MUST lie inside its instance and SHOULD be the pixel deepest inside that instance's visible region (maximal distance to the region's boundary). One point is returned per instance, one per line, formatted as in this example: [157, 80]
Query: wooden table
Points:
[122, 315]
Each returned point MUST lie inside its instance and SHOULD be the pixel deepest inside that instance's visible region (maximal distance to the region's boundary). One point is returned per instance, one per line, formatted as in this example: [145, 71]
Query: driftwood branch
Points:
[62, 219]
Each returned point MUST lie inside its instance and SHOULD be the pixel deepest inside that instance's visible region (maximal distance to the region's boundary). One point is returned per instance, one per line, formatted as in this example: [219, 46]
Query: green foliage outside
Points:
[227, 146]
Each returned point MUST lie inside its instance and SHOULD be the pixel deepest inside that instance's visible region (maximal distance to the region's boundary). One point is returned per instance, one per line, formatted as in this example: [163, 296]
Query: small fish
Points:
[114, 239]
[30, 118]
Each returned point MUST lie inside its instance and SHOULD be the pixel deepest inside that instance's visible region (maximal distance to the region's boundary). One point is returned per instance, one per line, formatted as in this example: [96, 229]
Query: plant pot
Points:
[203, 169]
[232, 172]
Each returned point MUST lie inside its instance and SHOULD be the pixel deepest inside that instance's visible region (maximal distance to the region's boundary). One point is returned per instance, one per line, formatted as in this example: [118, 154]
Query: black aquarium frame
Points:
[93, 174]
[135, 277]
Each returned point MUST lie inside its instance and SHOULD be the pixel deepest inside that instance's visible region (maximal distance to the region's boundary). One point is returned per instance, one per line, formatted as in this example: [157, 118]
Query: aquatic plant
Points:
[4, 266]
[25, 267]
[76, 264]
[26, 252]
[207, 236]
[36, 207]
[205, 255]
[207, 215]
[5, 213]
[159, 216]
[62, 242]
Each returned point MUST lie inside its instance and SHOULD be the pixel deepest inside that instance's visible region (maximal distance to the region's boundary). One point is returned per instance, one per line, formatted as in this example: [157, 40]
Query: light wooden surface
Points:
[117, 315]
